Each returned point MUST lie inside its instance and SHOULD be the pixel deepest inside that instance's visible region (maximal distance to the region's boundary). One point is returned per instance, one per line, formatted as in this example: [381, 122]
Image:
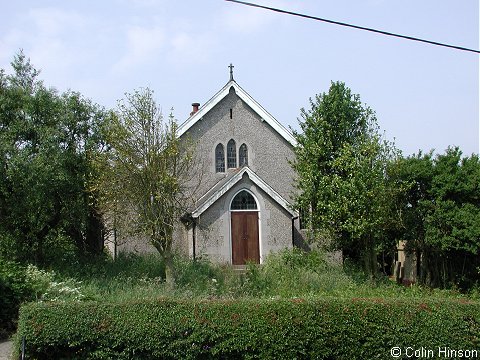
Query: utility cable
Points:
[356, 26]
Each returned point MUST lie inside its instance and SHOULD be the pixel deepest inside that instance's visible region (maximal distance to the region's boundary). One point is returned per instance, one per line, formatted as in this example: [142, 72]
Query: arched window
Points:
[243, 201]
[243, 155]
[231, 154]
[219, 159]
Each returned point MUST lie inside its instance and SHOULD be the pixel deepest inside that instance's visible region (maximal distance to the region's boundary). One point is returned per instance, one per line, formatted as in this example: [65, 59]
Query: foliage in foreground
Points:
[46, 141]
[245, 329]
[14, 290]
[145, 180]
[20, 283]
[341, 164]
[441, 213]
[286, 274]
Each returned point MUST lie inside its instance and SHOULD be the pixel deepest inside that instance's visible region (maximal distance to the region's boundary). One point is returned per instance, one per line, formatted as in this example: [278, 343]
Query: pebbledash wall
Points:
[268, 156]
[213, 226]
[268, 152]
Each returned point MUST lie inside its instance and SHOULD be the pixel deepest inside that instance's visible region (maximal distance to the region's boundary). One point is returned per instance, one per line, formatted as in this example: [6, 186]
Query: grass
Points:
[287, 274]
[284, 275]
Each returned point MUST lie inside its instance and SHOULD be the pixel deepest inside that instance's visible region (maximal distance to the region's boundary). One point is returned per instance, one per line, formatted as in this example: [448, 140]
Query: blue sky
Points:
[426, 97]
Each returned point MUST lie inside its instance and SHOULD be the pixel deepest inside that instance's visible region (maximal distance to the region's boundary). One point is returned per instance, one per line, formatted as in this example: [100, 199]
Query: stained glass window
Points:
[219, 159]
[231, 154]
[243, 155]
[244, 201]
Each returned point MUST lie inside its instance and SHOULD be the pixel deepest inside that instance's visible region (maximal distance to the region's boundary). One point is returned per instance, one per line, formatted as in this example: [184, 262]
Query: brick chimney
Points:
[195, 107]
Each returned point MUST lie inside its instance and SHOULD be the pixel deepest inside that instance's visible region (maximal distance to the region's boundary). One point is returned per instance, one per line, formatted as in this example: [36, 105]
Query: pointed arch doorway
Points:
[244, 228]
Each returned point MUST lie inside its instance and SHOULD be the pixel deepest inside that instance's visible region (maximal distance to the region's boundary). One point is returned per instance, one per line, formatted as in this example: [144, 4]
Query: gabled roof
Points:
[229, 181]
[242, 94]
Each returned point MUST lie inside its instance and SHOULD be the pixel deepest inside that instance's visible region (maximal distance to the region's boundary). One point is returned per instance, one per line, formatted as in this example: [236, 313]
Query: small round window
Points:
[244, 201]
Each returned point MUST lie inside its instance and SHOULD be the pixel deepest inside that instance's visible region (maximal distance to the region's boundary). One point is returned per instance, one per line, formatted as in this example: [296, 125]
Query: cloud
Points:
[145, 3]
[143, 44]
[246, 19]
[54, 22]
[8, 46]
[188, 47]
[42, 32]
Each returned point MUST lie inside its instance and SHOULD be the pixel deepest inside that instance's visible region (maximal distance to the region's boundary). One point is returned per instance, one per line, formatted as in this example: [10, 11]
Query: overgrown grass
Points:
[286, 274]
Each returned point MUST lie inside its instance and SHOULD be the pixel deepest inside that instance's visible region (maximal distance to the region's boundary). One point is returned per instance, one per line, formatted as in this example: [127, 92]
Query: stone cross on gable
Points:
[231, 71]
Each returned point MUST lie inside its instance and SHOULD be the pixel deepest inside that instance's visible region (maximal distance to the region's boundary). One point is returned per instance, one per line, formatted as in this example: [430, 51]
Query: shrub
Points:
[286, 274]
[46, 288]
[14, 289]
[246, 329]
[104, 267]
[139, 266]
[294, 272]
[199, 277]
[20, 283]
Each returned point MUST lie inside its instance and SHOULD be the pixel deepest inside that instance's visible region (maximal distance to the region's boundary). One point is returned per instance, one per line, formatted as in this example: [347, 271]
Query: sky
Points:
[425, 97]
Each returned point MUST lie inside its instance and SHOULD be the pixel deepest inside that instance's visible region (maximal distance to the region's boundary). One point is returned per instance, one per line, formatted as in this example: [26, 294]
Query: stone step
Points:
[240, 268]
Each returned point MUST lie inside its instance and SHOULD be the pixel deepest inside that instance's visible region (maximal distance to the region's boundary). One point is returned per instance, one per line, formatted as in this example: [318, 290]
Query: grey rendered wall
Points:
[268, 152]
[213, 229]
[128, 243]
[268, 155]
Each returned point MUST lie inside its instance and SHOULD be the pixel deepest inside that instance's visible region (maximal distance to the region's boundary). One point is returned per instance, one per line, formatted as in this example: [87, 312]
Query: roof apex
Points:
[250, 101]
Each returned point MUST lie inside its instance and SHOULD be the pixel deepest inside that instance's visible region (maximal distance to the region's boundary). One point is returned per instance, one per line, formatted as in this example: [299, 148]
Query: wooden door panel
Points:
[237, 235]
[244, 230]
[253, 253]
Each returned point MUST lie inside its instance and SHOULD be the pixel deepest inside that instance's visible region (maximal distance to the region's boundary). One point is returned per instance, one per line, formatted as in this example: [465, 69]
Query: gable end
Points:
[243, 95]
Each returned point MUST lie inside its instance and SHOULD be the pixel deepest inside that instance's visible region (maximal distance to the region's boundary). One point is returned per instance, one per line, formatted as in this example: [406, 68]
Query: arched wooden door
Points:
[244, 229]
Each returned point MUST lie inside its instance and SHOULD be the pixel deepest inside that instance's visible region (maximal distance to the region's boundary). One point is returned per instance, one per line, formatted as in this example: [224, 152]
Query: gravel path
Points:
[5, 350]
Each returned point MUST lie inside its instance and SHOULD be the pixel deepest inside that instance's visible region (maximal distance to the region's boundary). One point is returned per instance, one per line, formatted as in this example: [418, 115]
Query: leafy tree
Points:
[144, 178]
[442, 216]
[341, 162]
[46, 140]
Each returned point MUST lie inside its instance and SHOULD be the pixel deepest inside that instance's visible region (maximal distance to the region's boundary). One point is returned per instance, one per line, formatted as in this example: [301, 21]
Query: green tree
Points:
[341, 163]
[45, 144]
[145, 178]
[442, 216]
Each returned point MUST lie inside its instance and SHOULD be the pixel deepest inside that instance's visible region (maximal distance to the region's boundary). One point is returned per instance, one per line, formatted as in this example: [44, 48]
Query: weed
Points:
[285, 274]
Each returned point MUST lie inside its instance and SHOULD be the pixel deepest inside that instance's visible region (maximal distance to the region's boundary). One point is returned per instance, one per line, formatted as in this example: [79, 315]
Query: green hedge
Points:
[14, 289]
[247, 329]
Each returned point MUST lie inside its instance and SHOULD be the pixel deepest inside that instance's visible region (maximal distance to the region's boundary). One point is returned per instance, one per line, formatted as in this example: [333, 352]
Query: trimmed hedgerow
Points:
[15, 288]
[246, 329]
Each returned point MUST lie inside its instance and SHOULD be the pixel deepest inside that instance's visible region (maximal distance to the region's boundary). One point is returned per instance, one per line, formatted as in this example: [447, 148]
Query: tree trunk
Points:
[94, 234]
[370, 259]
[165, 252]
[169, 269]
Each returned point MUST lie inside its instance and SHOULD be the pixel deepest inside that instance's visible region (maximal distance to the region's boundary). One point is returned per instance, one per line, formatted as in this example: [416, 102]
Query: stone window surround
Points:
[231, 154]
[243, 155]
[243, 200]
[240, 160]
[219, 158]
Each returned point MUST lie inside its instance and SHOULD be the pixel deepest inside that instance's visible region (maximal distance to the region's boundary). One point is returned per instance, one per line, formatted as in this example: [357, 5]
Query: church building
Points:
[243, 210]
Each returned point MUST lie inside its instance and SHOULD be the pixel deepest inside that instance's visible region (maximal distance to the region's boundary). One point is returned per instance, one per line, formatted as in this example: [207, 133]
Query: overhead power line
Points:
[356, 26]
